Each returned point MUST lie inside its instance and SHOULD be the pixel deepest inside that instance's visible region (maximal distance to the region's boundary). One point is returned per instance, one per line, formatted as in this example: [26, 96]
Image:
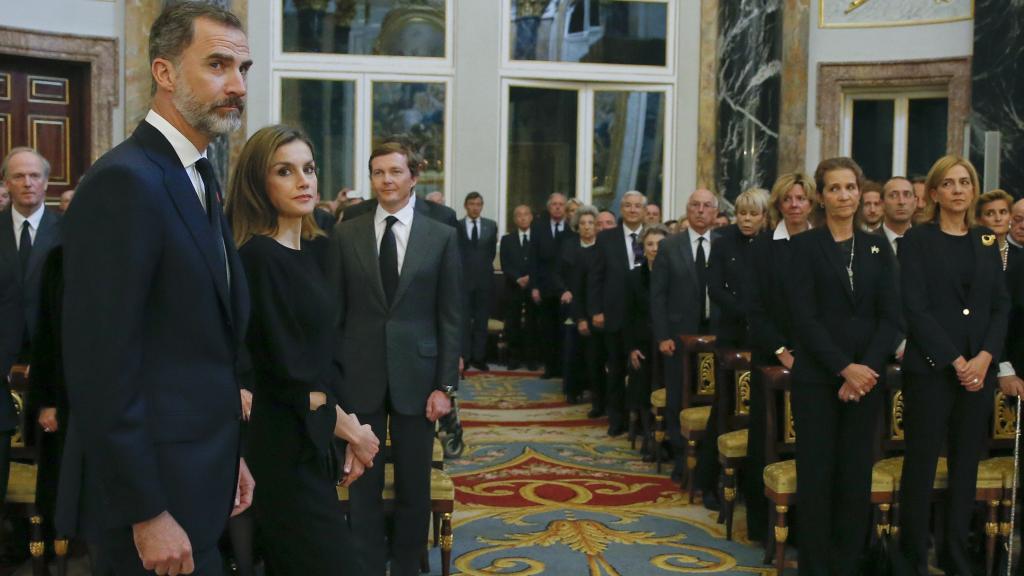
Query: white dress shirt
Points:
[892, 237]
[557, 225]
[524, 235]
[185, 150]
[694, 237]
[33, 223]
[469, 227]
[633, 263]
[400, 229]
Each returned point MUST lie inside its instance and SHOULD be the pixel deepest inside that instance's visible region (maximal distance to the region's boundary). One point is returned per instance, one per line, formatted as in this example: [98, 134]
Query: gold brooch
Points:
[874, 249]
[988, 239]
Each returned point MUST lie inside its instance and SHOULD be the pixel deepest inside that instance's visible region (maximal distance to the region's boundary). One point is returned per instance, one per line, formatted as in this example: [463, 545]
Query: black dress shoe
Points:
[513, 365]
[711, 501]
[595, 413]
[482, 366]
[572, 399]
[531, 366]
[616, 430]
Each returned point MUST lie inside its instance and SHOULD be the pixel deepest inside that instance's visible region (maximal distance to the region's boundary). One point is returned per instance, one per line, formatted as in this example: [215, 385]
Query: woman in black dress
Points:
[565, 279]
[956, 307]
[637, 334]
[766, 301]
[846, 323]
[290, 341]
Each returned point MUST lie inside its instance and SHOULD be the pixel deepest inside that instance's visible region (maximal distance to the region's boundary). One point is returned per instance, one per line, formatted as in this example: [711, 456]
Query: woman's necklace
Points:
[849, 266]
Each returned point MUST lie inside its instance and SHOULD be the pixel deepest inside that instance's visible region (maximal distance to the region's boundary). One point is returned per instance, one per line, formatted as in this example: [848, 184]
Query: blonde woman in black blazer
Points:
[956, 308]
[845, 305]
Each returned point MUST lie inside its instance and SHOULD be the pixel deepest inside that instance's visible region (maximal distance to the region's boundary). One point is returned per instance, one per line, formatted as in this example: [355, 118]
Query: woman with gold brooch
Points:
[846, 322]
[956, 307]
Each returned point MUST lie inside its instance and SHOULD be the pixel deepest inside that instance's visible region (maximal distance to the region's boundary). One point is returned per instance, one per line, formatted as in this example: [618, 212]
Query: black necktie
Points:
[388, 260]
[524, 241]
[702, 277]
[213, 209]
[474, 236]
[558, 230]
[638, 250]
[24, 246]
[899, 242]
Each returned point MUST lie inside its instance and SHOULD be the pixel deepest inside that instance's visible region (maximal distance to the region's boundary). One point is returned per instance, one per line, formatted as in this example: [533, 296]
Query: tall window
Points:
[899, 133]
[354, 72]
[594, 142]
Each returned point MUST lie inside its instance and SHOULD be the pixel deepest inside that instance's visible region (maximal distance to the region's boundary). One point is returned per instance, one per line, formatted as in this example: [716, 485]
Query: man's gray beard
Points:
[202, 118]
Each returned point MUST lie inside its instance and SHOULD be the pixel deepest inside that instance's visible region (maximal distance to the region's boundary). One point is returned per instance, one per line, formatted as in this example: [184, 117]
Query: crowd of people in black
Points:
[832, 277]
[154, 324]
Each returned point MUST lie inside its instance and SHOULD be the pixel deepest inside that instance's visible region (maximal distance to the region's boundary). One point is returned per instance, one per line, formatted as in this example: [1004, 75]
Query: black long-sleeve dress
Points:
[290, 447]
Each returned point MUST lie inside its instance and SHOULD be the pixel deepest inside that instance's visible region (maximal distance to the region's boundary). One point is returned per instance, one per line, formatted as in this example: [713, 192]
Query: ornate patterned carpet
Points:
[542, 490]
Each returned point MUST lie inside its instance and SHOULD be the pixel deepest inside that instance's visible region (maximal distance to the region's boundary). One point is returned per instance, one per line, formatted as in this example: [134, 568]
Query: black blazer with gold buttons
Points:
[835, 324]
[939, 312]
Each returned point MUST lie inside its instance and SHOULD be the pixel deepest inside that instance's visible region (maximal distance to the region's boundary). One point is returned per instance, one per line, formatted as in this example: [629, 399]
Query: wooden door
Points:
[44, 105]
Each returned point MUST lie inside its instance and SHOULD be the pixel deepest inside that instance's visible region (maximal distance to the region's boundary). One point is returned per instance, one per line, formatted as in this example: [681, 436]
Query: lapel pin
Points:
[988, 239]
[874, 249]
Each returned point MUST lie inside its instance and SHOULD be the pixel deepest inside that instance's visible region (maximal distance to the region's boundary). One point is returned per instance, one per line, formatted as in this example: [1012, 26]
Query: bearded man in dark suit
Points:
[155, 309]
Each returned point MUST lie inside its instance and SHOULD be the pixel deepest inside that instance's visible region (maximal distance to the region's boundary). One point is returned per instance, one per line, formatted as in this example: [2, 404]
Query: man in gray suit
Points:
[679, 303]
[478, 242]
[397, 277]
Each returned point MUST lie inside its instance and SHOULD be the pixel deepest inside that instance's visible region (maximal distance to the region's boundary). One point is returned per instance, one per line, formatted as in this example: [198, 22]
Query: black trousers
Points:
[574, 368]
[939, 411]
[835, 447]
[615, 383]
[672, 373]
[551, 335]
[412, 439]
[474, 326]
[5, 462]
[522, 327]
[595, 360]
[752, 477]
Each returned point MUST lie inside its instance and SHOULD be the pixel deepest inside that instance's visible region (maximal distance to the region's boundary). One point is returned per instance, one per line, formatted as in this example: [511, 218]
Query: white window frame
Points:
[363, 121]
[584, 136]
[359, 62]
[586, 71]
[901, 118]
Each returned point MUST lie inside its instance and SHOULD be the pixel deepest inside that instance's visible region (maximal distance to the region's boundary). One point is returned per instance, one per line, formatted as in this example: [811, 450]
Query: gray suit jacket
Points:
[675, 303]
[407, 349]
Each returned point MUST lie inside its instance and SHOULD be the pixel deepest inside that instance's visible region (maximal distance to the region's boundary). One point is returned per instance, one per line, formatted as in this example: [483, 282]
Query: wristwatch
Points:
[449, 389]
[780, 350]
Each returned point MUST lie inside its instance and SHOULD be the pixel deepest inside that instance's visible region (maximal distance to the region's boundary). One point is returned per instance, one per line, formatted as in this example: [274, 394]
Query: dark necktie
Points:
[213, 209]
[474, 236]
[25, 246]
[524, 241]
[899, 242]
[388, 259]
[638, 250]
[558, 230]
[702, 277]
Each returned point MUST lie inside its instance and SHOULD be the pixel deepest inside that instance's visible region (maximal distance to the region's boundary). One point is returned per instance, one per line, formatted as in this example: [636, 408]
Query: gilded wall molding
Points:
[101, 54]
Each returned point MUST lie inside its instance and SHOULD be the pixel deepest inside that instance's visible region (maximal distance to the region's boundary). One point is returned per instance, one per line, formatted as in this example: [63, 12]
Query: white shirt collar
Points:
[627, 230]
[523, 233]
[890, 235]
[694, 235]
[404, 215]
[782, 233]
[1012, 241]
[33, 219]
[186, 151]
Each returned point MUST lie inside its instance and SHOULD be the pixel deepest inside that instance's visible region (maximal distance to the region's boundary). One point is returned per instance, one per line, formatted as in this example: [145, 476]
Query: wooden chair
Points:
[442, 503]
[698, 394]
[992, 482]
[733, 411]
[22, 479]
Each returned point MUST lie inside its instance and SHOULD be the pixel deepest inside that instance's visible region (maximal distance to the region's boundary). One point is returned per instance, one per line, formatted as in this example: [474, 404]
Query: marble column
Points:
[997, 88]
[749, 85]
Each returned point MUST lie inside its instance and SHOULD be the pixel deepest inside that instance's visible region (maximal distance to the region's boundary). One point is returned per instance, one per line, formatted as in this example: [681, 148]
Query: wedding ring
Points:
[852, 397]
